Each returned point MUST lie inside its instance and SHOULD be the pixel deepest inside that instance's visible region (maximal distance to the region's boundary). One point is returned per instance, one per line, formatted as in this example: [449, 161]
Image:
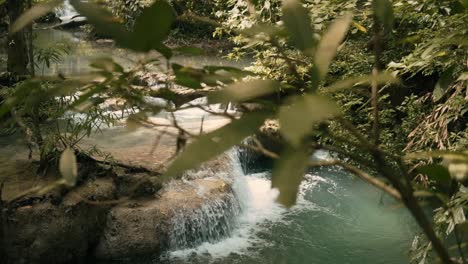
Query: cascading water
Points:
[212, 222]
[66, 11]
[336, 220]
[226, 226]
[215, 220]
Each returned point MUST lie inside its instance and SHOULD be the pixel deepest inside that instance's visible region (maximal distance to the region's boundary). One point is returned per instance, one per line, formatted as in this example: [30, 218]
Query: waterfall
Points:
[225, 226]
[215, 220]
[66, 11]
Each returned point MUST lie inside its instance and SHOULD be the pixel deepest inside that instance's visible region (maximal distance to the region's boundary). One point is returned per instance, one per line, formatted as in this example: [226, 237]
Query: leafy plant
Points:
[292, 84]
[45, 57]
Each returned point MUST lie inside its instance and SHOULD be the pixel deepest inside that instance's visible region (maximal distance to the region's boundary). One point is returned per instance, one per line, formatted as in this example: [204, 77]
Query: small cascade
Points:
[66, 11]
[251, 203]
[214, 221]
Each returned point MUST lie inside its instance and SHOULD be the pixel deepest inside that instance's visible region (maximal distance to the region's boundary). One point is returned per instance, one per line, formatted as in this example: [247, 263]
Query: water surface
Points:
[338, 219]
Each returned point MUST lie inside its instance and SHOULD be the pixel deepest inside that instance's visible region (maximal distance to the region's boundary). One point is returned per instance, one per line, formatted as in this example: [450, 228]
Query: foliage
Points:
[295, 80]
[193, 16]
[40, 110]
[45, 57]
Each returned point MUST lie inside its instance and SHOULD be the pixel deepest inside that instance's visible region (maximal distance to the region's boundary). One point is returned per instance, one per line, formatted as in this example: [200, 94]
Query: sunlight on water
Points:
[337, 219]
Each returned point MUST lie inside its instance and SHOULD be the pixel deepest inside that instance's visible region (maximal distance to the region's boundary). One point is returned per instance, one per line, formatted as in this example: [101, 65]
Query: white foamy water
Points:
[257, 204]
[67, 12]
[258, 212]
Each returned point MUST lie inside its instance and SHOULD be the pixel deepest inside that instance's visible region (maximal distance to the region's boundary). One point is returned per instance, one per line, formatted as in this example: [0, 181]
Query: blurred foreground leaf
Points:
[189, 50]
[297, 119]
[288, 173]
[153, 26]
[208, 75]
[103, 21]
[68, 167]
[437, 173]
[244, 91]
[33, 13]
[330, 42]
[215, 143]
[381, 78]
[299, 25]
[383, 10]
[442, 84]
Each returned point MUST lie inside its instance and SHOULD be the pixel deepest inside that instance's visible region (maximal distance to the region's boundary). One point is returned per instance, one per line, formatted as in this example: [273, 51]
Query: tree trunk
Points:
[17, 44]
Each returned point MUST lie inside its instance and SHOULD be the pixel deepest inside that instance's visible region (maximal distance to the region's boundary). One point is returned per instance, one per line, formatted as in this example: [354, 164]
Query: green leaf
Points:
[244, 91]
[224, 74]
[298, 23]
[29, 95]
[33, 13]
[209, 75]
[83, 103]
[107, 64]
[297, 119]
[288, 173]
[153, 26]
[20, 95]
[383, 10]
[437, 173]
[68, 167]
[381, 78]
[330, 42]
[187, 76]
[464, 3]
[215, 143]
[104, 22]
[442, 84]
[164, 50]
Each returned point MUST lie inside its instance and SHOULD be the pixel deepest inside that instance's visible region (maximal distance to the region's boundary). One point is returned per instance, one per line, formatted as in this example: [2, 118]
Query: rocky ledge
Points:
[100, 219]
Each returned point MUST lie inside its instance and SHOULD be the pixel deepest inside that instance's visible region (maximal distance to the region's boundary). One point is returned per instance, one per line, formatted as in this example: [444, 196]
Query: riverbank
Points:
[114, 212]
[336, 219]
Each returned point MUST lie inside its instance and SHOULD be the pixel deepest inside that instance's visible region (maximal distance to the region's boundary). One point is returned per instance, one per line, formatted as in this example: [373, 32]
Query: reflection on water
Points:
[83, 51]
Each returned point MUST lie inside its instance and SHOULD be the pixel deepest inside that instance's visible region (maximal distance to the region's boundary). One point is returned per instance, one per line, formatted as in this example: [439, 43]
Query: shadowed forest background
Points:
[315, 131]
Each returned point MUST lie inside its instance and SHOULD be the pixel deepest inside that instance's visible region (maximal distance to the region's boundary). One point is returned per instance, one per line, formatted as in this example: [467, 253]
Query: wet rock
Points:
[270, 137]
[74, 22]
[143, 227]
[87, 222]
[47, 233]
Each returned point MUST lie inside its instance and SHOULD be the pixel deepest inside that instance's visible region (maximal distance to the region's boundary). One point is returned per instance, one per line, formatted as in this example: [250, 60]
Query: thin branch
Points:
[361, 174]
[375, 107]
[348, 154]
[260, 150]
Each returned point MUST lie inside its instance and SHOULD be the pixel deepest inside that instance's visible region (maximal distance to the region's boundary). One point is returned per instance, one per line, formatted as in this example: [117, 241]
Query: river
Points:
[338, 219]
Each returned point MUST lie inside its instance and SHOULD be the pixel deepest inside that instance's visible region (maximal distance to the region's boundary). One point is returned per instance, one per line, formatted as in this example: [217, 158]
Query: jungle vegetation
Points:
[382, 84]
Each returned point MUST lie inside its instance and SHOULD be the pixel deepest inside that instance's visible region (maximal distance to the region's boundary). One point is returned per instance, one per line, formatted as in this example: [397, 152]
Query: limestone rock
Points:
[42, 232]
[143, 227]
